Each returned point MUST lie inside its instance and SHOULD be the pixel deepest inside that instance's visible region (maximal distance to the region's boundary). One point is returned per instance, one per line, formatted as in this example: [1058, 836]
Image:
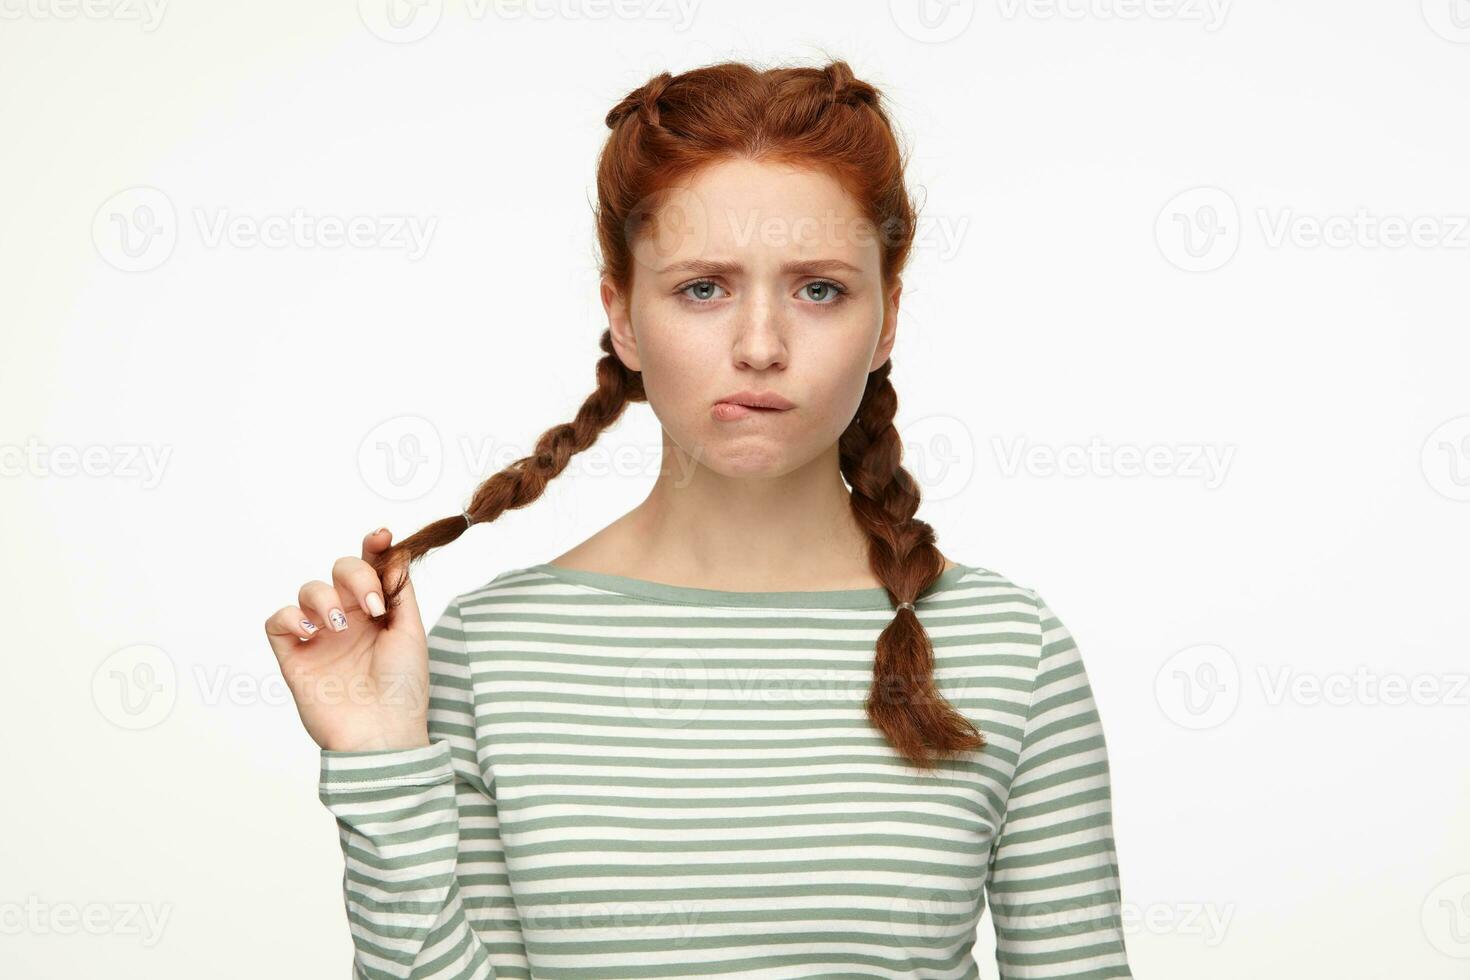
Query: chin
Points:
[746, 458]
[753, 466]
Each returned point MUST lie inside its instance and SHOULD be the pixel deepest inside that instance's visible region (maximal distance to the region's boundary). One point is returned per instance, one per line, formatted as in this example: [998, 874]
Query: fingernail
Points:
[375, 604]
[339, 621]
[309, 626]
[380, 530]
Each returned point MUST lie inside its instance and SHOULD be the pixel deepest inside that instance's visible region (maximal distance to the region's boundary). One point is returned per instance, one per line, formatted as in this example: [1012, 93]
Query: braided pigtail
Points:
[903, 701]
[524, 480]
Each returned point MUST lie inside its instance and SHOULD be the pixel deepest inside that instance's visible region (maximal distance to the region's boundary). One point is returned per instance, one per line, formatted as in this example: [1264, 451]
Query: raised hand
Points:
[358, 685]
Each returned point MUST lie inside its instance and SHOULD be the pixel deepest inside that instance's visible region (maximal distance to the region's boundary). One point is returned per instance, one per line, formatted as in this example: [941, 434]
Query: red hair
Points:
[822, 118]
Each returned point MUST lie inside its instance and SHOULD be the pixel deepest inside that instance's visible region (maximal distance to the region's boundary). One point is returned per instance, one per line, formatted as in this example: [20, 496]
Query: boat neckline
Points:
[864, 598]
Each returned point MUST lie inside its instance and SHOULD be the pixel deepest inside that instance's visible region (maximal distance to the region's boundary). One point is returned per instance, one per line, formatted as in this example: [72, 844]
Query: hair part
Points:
[662, 132]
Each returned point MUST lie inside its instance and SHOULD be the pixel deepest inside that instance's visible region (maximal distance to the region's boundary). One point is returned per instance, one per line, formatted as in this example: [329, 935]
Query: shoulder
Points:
[509, 583]
[1052, 644]
[996, 585]
[1020, 609]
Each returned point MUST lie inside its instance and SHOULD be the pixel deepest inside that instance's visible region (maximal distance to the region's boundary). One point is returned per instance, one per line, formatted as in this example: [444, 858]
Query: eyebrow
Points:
[712, 267]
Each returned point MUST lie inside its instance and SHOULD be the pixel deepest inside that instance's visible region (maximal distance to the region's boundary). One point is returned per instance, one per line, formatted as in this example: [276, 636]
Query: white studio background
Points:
[1183, 346]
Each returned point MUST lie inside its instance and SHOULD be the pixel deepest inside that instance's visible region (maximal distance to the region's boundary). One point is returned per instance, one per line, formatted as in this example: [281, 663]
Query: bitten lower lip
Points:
[730, 411]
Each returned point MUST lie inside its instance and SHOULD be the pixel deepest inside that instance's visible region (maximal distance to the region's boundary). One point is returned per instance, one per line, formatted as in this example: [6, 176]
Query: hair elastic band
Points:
[904, 605]
[468, 520]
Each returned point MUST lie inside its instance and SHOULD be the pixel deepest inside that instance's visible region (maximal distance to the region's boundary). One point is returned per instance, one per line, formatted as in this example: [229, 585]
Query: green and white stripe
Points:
[636, 780]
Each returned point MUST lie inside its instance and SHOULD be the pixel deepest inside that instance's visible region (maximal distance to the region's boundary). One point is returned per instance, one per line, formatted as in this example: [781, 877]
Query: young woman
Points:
[759, 726]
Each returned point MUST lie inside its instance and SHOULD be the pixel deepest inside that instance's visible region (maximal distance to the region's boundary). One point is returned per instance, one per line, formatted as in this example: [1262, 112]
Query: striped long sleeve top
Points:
[628, 779]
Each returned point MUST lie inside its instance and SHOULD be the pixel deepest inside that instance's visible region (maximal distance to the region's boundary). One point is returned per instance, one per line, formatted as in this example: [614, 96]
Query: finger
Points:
[376, 542]
[407, 618]
[355, 578]
[287, 627]
[323, 604]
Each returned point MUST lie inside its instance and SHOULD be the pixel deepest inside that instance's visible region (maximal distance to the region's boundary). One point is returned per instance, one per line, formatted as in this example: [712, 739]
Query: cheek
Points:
[678, 366]
[833, 389]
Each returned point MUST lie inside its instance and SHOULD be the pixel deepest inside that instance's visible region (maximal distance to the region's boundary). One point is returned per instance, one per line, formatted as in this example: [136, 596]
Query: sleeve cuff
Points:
[372, 769]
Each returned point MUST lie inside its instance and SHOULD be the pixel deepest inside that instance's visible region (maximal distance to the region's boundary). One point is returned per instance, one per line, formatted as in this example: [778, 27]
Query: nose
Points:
[759, 339]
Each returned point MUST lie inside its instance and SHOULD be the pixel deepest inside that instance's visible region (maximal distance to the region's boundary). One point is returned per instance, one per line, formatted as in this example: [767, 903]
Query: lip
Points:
[756, 399]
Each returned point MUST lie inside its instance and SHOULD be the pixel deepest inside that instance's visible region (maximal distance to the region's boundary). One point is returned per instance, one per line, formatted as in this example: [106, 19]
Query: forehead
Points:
[748, 207]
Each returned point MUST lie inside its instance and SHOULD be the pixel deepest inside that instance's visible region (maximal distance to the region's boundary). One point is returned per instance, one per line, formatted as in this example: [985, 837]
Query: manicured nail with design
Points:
[375, 604]
[339, 621]
[309, 626]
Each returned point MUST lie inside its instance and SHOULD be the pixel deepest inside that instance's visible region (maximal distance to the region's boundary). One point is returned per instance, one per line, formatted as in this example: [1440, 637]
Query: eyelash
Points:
[837, 288]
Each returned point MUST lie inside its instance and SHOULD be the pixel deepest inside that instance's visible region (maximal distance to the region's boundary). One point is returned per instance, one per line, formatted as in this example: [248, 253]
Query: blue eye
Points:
[699, 284]
[827, 288]
[827, 293]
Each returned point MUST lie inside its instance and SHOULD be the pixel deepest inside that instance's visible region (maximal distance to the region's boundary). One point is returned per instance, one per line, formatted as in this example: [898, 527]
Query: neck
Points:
[791, 531]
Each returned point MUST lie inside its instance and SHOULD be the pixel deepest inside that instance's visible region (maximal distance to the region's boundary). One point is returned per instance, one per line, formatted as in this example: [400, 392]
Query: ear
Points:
[619, 322]
[889, 332]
